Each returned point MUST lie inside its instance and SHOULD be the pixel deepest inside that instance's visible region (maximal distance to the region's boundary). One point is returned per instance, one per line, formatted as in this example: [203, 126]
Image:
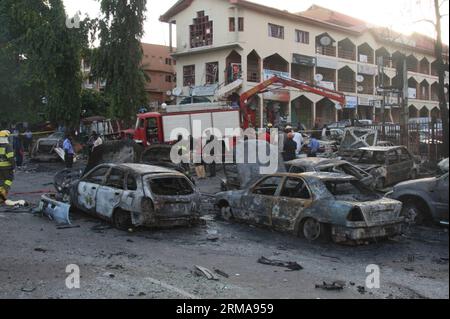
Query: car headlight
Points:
[355, 215]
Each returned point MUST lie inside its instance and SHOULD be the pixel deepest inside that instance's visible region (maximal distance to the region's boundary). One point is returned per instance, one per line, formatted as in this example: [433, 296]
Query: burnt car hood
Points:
[368, 167]
[424, 184]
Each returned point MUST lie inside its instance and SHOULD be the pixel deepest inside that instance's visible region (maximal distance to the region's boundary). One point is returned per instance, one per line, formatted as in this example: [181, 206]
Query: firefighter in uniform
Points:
[7, 165]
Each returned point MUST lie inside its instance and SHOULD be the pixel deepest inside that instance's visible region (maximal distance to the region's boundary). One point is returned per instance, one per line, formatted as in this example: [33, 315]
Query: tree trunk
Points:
[441, 73]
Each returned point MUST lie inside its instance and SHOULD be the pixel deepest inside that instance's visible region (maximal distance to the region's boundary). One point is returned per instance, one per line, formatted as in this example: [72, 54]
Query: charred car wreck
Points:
[133, 195]
[45, 148]
[315, 206]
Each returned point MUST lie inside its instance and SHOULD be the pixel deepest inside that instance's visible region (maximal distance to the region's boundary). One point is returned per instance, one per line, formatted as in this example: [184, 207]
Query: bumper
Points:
[342, 234]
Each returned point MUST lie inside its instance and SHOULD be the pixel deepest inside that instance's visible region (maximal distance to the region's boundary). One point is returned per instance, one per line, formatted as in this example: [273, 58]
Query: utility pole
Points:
[441, 74]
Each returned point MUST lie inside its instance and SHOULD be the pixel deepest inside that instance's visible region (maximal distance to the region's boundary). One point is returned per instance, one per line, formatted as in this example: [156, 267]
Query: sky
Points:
[400, 15]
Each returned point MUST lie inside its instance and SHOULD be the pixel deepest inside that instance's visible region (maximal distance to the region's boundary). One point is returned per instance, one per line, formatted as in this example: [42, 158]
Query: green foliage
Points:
[94, 103]
[40, 57]
[118, 60]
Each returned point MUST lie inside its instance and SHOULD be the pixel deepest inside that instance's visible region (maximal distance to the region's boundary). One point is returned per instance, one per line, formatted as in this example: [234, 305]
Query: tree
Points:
[44, 54]
[120, 55]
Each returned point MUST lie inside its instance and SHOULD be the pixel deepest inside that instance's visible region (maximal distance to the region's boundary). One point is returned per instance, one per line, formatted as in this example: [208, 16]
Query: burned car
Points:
[315, 206]
[316, 164]
[131, 195]
[45, 148]
[424, 200]
[388, 165]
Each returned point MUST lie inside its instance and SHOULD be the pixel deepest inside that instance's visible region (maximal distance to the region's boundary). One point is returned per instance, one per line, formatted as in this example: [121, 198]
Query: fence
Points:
[425, 139]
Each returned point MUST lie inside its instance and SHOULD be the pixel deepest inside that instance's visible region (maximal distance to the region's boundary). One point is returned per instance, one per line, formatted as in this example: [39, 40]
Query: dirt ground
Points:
[160, 263]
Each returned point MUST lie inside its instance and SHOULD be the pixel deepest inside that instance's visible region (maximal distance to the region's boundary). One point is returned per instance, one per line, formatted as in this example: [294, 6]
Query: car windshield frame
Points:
[149, 178]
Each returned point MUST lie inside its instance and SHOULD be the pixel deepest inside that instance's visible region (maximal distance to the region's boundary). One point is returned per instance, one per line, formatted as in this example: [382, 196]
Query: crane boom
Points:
[250, 115]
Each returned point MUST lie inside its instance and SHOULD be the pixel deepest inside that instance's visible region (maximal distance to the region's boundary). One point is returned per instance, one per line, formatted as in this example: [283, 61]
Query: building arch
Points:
[347, 49]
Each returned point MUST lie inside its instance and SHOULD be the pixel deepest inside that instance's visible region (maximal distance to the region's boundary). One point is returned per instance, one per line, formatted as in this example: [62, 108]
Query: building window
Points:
[201, 31]
[168, 61]
[276, 31]
[212, 72]
[169, 78]
[232, 24]
[302, 36]
[189, 75]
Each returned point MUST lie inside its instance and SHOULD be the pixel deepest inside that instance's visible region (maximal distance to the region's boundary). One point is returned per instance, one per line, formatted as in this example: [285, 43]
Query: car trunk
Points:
[381, 211]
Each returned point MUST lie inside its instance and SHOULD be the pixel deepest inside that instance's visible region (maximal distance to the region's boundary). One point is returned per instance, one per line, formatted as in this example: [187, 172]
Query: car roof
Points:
[315, 161]
[144, 169]
[322, 176]
[380, 148]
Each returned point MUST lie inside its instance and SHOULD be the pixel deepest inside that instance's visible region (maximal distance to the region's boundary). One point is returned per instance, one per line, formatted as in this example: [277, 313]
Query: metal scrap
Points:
[55, 210]
[202, 271]
[290, 265]
[335, 286]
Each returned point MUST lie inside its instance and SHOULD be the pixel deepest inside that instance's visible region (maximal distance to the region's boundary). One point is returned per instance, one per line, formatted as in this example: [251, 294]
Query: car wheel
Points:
[313, 230]
[412, 213]
[226, 213]
[122, 220]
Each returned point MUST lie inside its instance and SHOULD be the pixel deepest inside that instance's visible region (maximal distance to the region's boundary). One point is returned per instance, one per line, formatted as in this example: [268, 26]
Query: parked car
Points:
[131, 195]
[315, 206]
[424, 200]
[44, 148]
[317, 164]
[388, 165]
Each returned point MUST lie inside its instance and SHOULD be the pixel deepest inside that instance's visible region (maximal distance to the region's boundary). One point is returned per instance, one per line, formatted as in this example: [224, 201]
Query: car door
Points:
[442, 205]
[109, 195]
[131, 196]
[258, 202]
[294, 197]
[88, 187]
[395, 169]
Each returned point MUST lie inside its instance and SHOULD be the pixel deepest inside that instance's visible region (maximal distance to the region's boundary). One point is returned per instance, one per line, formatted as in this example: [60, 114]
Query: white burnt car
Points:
[131, 195]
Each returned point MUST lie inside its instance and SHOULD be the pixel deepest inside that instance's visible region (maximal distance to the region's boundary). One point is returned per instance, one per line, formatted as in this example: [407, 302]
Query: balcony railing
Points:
[347, 54]
[347, 86]
[328, 51]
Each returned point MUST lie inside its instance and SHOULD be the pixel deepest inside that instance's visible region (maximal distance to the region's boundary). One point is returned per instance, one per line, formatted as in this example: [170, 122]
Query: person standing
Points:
[212, 165]
[314, 147]
[97, 140]
[18, 148]
[298, 139]
[69, 153]
[289, 148]
[28, 141]
[7, 165]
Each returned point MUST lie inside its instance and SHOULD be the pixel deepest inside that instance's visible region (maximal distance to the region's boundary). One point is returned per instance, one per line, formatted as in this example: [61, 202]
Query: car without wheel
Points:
[132, 195]
[315, 206]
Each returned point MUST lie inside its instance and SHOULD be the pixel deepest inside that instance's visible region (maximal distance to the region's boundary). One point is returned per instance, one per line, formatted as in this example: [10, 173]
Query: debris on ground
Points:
[40, 250]
[68, 227]
[221, 273]
[202, 271]
[335, 286]
[18, 203]
[291, 265]
[362, 290]
[55, 210]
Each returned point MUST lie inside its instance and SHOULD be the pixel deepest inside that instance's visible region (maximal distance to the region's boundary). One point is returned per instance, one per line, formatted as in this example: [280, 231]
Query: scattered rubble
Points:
[290, 265]
[202, 271]
[334, 286]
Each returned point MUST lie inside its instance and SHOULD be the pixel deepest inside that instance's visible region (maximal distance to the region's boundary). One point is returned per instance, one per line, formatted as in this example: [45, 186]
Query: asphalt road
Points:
[161, 263]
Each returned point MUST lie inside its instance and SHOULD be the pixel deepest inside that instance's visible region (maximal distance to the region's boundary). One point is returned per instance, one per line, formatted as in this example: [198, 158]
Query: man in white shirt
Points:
[298, 138]
[97, 141]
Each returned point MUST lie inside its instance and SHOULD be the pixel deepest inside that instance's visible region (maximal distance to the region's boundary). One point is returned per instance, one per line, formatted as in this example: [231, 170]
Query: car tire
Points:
[314, 231]
[413, 213]
[122, 220]
[226, 213]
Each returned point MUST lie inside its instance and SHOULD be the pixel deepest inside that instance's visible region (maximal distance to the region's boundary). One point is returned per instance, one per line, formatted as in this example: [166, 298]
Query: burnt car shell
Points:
[351, 217]
[176, 205]
[44, 149]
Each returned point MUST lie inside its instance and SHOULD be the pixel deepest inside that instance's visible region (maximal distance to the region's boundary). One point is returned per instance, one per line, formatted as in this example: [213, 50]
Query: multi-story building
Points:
[159, 67]
[220, 41]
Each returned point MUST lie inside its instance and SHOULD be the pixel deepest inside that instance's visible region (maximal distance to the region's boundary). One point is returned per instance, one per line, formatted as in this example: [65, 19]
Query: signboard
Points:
[206, 90]
[326, 84]
[278, 95]
[363, 58]
[412, 93]
[303, 60]
[367, 69]
[352, 102]
[326, 63]
[267, 74]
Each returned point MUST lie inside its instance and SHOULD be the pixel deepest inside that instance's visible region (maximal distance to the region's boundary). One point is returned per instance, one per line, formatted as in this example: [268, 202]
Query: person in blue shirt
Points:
[314, 147]
[68, 151]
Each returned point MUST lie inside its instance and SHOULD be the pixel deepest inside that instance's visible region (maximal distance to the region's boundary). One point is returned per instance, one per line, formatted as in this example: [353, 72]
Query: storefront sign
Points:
[326, 63]
[367, 69]
[267, 74]
[326, 84]
[206, 90]
[412, 93]
[351, 102]
[278, 95]
[303, 60]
